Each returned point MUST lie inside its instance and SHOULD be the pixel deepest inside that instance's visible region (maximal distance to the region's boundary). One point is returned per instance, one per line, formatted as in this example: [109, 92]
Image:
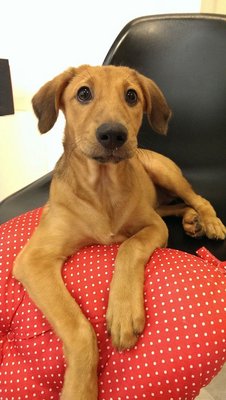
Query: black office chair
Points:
[186, 56]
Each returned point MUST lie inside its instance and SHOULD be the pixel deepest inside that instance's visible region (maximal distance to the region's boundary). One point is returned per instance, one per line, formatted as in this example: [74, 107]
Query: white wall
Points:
[41, 39]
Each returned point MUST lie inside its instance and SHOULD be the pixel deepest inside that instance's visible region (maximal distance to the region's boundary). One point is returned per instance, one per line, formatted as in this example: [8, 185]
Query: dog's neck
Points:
[105, 172]
[90, 171]
[108, 172]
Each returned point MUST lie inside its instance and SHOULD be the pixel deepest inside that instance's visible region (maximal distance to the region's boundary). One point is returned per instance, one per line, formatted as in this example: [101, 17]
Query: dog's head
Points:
[103, 108]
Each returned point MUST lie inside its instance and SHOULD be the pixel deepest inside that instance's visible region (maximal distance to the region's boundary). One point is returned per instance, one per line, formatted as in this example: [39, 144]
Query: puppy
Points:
[104, 190]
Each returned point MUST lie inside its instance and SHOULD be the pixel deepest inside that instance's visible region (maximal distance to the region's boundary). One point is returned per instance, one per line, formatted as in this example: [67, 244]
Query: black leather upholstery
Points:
[185, 55]
[28, 198]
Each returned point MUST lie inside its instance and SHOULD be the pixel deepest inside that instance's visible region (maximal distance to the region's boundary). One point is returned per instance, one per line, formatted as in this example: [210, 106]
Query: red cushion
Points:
[182, 348]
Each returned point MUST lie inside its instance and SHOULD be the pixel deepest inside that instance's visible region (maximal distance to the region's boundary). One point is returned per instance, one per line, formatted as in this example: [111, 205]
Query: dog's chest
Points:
[109, 203]
[117, 210]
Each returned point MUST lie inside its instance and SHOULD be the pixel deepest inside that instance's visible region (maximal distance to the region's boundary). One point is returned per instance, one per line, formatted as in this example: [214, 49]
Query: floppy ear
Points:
[46, 102]
[156, 107]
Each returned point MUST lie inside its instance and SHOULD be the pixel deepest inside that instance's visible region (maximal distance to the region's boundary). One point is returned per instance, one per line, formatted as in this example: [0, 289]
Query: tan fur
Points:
[101, 195]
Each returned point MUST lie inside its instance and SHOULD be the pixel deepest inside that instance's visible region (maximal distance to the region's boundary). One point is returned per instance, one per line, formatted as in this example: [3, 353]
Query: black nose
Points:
[111, 136]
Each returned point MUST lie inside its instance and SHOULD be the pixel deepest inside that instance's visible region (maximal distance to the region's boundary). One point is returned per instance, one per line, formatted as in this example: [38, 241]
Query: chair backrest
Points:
[186, 56]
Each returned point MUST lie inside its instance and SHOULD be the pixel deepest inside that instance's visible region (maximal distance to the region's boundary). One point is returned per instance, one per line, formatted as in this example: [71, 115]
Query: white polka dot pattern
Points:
[182, 348]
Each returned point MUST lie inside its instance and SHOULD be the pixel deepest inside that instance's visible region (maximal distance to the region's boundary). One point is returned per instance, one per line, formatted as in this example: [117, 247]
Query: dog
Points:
[104, 190]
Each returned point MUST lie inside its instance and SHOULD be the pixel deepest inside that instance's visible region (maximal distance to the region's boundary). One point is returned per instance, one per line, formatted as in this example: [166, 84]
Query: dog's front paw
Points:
[197, 226]
[125, 316]
[214, 228]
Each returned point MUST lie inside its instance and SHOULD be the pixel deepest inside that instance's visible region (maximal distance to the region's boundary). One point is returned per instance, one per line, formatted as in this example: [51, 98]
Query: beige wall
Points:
[213, 6]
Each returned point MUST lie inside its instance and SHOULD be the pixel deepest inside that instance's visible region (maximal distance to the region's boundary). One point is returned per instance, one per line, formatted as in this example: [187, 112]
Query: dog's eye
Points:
[131, 97]
[84, 94]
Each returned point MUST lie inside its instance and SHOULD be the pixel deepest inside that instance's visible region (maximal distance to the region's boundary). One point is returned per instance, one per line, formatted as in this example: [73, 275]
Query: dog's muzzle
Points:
[111, 135]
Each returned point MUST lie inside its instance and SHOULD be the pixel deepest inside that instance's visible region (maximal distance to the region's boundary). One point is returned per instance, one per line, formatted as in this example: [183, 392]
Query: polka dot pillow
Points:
[182, 348]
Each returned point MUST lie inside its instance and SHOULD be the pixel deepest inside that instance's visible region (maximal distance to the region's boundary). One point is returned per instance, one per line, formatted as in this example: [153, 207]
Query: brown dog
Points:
[103, 191]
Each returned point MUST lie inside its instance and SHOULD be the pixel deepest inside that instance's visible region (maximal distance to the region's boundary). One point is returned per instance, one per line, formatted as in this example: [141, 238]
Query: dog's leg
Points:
[165, 173]
[38, 267]
[125, 314]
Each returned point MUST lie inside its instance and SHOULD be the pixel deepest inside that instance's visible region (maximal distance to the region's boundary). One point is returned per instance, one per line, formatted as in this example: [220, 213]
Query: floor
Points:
[216, 390]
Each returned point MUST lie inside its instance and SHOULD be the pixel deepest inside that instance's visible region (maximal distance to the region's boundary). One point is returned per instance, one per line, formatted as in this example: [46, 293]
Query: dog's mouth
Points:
[114, 156]
[107, 156]
[111, 158]
[101, 155]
